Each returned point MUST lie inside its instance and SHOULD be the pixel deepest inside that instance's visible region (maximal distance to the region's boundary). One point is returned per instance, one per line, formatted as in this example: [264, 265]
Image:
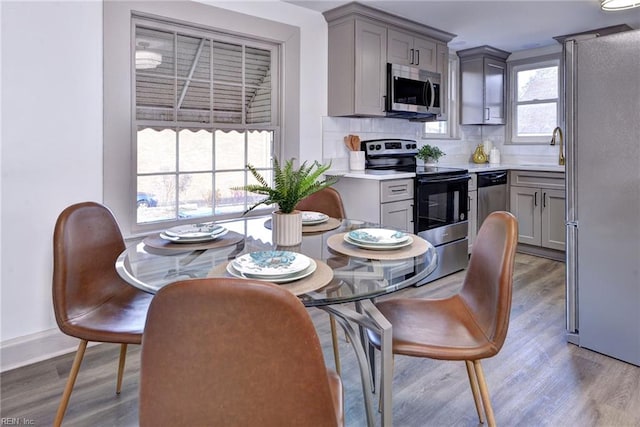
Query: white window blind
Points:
[205, 106]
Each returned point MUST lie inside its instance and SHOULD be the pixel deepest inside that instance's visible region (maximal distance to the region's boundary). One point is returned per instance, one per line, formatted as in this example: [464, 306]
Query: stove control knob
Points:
[378, 146]
[372, 147]
[408, 146]
[414, 146]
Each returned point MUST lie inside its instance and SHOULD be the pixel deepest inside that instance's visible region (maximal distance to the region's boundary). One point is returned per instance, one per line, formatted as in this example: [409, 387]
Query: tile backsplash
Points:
[457, 151]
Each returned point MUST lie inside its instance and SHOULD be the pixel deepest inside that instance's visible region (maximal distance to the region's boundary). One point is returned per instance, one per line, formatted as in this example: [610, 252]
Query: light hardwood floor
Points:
[536, 380]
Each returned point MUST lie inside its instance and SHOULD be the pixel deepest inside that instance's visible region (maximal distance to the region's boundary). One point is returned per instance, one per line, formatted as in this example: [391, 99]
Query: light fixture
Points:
[618, 4]
[146, 59]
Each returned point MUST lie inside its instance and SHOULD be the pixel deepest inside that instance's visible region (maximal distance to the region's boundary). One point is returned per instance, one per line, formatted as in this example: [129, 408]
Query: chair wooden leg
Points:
[334, 340]
[484, 392]
[123, 357]
[474, 389]
[68, 388]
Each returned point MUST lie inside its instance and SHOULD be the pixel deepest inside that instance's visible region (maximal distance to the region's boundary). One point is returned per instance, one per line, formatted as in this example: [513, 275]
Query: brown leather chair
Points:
[91, 302]
[234, 352]
[329, 202]
[471, 325]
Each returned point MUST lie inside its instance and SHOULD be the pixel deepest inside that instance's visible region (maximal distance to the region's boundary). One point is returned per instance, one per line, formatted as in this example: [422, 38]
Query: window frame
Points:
[453, 126]
[140, 21]
[526, 64]
[118, 158]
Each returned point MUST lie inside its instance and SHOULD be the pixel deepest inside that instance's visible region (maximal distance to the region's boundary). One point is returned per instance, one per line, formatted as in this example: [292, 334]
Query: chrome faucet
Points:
[558, 132]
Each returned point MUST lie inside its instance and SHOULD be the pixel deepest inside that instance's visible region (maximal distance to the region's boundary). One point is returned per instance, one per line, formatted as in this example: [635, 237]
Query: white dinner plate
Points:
[378, 236]
[195, 231]
[312, 218]
[283, 279]
[205, 238]
[377, 247]
[271, 263]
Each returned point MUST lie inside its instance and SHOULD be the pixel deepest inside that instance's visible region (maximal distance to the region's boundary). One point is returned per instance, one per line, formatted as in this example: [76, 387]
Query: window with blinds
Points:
[206, 105]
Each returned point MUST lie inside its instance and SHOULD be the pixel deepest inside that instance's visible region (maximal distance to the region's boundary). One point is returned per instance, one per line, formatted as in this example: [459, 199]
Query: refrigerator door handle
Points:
[572, 281]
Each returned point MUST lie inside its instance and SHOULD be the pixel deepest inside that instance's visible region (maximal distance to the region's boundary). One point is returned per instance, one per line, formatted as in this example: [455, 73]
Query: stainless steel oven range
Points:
[440, 201]
[441, 206]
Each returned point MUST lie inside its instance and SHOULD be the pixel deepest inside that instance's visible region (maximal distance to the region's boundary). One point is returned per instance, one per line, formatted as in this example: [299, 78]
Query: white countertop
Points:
[471, 167]
[485, 167]
[365, 175]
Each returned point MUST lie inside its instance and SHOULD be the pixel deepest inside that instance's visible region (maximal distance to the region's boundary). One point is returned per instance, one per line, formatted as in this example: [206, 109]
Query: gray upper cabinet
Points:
[362, 40]
[357, 68]
[483, 75]
[405, 49]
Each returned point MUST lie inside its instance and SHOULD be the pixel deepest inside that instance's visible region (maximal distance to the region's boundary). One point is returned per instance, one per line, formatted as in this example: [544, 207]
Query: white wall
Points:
[51, 144]
[51, 89]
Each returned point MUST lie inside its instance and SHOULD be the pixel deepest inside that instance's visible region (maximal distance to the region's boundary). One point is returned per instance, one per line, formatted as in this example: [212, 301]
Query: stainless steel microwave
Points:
[412, 92]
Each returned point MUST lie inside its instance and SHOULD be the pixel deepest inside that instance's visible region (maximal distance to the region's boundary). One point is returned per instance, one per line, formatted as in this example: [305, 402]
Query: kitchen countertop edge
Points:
[364, 175]
[487, 167]
[471, 167]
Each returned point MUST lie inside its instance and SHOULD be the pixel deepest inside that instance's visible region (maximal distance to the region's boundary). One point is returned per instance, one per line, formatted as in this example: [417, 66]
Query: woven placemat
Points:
[319, 279]
[157, 242]
[418, 247]
[330, 224]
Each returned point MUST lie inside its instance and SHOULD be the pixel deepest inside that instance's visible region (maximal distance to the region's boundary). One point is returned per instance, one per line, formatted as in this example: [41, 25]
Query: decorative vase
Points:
[479, 155]
[286, 228]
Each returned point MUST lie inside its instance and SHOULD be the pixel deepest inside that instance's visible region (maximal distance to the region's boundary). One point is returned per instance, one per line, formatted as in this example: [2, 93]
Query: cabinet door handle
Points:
[488, 115]
[544, 200]
[417, 57]
[410, 56]
[535, 199]
[469, 204]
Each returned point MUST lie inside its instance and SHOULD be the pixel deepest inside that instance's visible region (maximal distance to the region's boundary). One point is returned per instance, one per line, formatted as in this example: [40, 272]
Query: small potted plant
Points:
[290, 185]
[429, 153]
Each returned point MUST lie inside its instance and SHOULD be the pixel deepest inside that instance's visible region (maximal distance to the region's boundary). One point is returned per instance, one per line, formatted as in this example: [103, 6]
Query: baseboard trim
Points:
[541, 252]
[29, 349]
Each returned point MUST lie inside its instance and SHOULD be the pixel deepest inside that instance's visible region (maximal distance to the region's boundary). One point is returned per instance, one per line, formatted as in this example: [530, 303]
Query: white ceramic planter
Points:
[286, 228]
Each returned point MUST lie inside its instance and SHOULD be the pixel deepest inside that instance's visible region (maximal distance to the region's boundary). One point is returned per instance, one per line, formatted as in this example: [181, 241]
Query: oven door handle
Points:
[440, 180]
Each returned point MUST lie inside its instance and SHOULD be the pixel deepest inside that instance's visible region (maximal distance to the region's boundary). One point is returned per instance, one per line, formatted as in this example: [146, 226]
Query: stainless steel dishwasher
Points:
[492, 193]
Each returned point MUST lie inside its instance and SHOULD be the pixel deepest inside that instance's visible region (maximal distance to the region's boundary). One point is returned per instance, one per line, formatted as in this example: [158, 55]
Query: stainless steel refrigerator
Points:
[602, 83]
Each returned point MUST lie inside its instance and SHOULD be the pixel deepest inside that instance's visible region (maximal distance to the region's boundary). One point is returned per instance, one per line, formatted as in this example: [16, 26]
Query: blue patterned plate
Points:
[277, 279]
[376, 246]
[195, 231]
[378, 236]
[198, 239]
[271, 263]
[312, 218]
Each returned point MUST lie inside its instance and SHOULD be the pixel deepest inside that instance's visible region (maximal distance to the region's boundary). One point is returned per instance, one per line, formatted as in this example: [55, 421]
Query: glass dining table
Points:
[342, 274]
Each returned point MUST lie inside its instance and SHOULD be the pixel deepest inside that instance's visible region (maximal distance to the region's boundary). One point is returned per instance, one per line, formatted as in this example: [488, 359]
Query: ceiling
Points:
[510, 25]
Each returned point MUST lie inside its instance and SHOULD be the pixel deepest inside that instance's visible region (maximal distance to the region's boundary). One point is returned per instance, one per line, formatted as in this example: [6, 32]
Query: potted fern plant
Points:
[290, 185]
[429, 153]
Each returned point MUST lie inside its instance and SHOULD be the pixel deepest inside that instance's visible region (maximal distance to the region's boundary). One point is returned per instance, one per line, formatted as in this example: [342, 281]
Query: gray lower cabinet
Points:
[537, 199]
[398, 215]
[387, 202]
